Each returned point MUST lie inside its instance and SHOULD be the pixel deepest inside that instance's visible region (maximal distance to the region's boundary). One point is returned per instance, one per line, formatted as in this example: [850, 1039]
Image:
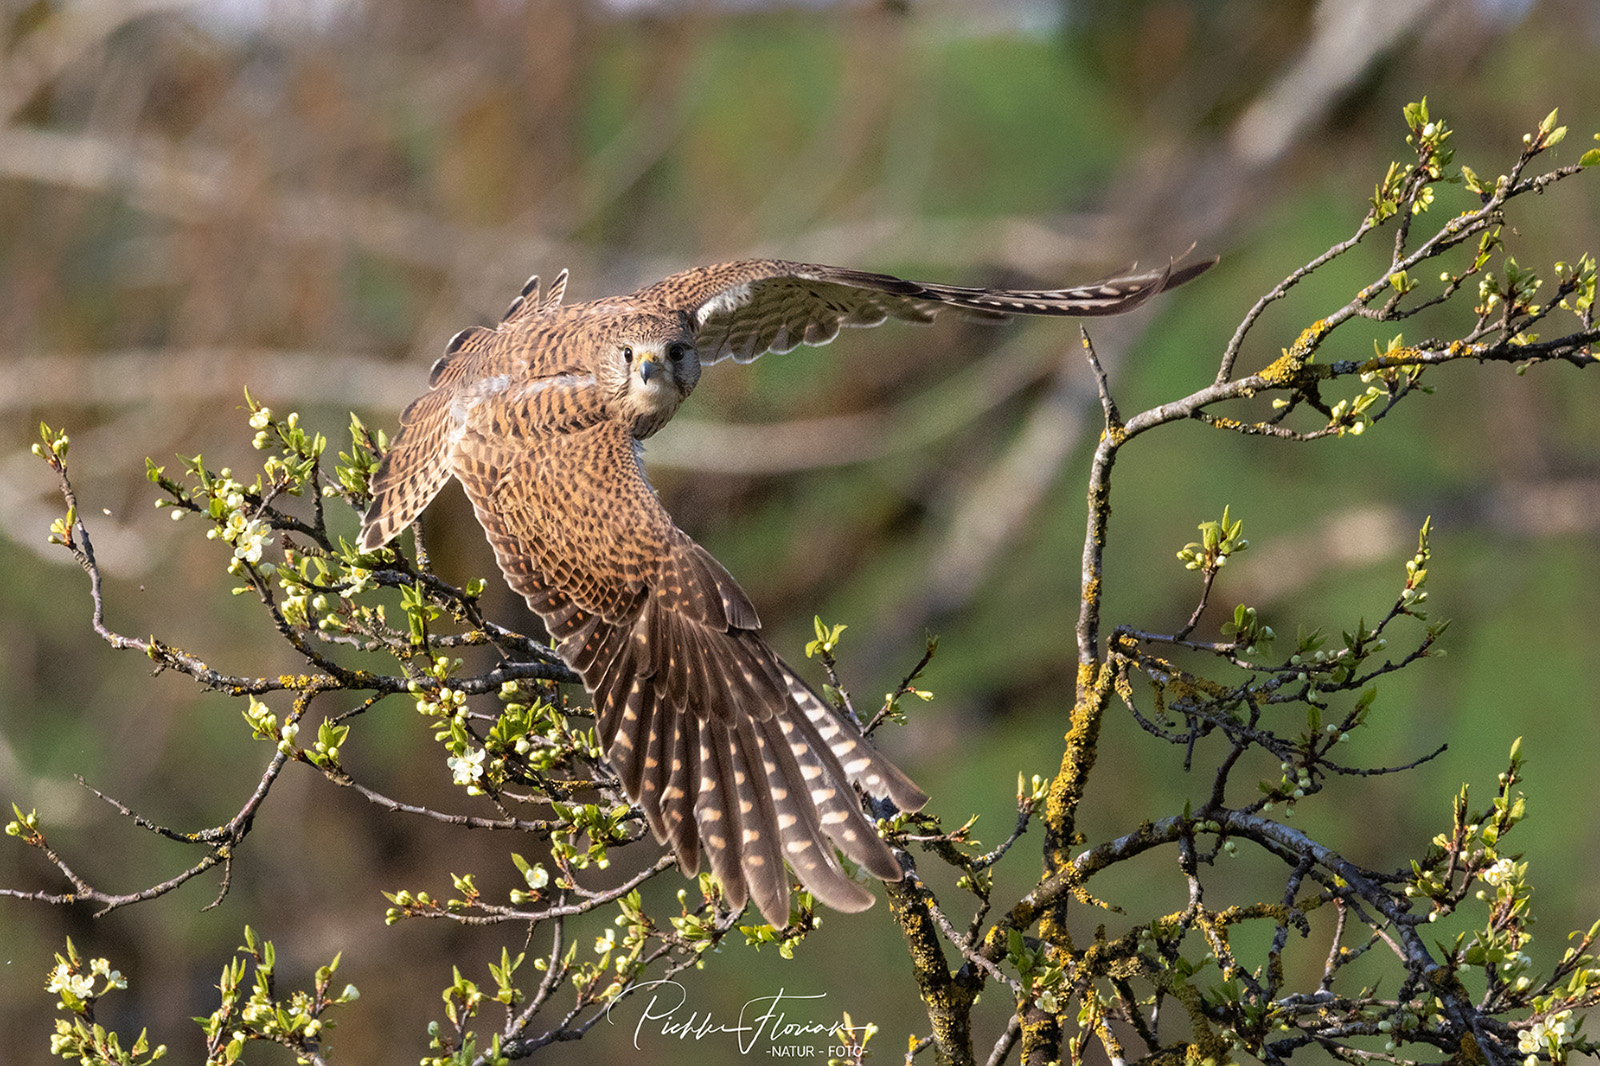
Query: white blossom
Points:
[62, 979]
[468, 768]
[1498, 873]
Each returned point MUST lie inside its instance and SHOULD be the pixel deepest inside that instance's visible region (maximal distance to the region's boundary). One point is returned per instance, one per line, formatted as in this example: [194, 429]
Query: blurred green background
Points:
[308, 197]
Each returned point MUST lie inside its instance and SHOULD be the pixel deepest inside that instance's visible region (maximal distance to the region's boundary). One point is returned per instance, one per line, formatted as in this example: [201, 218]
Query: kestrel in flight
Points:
[728, 753]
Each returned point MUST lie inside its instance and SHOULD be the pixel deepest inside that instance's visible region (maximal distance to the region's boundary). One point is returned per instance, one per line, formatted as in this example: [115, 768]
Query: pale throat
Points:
[646, 408]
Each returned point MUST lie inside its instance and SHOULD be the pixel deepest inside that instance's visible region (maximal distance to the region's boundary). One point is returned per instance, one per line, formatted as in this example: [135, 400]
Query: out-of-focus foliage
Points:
[309, 199]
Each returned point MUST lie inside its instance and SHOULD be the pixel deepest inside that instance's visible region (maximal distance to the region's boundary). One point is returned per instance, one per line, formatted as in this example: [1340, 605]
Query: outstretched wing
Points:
[416, 466]
[476, 368]
[752, 306]
[730, 755]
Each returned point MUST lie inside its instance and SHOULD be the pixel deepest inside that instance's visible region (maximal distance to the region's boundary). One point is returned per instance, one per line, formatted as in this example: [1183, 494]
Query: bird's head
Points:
[648, 366]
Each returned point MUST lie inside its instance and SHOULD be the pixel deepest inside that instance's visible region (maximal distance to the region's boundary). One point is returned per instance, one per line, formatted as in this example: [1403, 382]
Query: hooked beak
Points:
[648, 368]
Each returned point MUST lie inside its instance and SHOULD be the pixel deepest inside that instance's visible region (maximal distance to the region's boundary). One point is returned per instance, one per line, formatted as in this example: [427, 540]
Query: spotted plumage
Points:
[730, 755]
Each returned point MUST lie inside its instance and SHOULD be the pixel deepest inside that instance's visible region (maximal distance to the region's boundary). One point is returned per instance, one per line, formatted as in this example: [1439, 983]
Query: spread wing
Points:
[752, 306]
[472, 370]
[728, 752]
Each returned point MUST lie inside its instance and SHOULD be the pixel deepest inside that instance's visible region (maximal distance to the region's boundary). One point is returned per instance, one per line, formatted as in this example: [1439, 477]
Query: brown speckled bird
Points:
[726, 750]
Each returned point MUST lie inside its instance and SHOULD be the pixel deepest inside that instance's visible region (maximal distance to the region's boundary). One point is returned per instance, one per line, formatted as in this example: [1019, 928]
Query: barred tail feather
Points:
[859, 762]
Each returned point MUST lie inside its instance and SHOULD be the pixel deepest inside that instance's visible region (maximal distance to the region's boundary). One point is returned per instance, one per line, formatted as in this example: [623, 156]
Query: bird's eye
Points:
[676, 352]
[627, 354]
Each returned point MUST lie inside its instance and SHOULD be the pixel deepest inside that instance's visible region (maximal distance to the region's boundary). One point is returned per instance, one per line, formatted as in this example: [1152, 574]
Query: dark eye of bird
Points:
[627, 354]
[675, 353]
